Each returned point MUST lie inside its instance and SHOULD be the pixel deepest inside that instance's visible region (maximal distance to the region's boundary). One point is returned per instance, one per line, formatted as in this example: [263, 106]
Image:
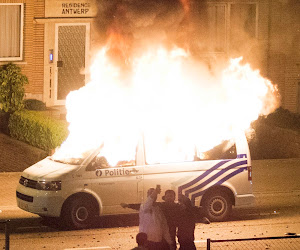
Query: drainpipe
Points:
[269, 36]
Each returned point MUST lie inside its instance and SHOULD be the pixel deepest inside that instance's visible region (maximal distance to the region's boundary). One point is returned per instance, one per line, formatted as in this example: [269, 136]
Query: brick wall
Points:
[284, 50]
[33, 46]
[28, 43]
[38, 79]
[263, 35]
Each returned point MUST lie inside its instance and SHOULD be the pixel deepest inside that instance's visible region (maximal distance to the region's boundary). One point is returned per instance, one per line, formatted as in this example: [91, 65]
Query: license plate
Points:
[23, 205]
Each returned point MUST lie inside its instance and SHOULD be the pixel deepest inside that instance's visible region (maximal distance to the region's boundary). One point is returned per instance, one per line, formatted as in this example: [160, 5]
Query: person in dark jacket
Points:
[186, 224]
[171, 209]
[182, 216]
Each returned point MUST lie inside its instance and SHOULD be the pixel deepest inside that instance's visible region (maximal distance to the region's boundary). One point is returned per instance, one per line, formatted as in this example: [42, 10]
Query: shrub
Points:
[37, 129]
[284, 118]
[33, 104]
[4, 117]
[12, 91]
[269, 138]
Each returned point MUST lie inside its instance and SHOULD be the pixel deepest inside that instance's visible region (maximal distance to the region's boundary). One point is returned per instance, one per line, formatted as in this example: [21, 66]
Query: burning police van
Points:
[78, 189]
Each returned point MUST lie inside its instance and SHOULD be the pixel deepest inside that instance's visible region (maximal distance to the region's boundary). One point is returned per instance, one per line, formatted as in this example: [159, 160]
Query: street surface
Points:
[275, 184]
[39, 236]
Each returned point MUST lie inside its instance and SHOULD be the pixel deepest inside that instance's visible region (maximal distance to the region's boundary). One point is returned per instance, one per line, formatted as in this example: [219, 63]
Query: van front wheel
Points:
[79, 213]
[217, 206]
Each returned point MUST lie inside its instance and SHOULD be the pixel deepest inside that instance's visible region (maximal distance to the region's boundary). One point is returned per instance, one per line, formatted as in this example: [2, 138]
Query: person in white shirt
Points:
[153, 222]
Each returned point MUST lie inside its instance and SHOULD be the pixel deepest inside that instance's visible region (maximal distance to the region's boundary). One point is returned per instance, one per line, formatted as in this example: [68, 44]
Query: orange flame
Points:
[171, 99]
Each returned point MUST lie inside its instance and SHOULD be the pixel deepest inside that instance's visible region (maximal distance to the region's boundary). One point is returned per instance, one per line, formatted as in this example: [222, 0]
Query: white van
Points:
[79, 189]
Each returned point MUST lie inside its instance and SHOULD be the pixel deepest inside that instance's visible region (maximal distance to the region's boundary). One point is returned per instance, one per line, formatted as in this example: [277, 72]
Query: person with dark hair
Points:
[153, 222]
[171, 211]
[141, 240]
[180, 215]
[186, 225]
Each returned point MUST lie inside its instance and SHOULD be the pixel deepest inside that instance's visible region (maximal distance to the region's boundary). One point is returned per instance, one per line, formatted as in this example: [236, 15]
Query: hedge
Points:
[33, 104]
[37, 129]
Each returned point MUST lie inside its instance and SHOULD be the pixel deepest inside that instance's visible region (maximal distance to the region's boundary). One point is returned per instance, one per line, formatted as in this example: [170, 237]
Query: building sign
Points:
[70, 8]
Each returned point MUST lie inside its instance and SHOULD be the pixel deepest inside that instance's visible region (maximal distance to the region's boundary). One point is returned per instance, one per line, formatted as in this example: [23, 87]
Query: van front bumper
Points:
[39, 202]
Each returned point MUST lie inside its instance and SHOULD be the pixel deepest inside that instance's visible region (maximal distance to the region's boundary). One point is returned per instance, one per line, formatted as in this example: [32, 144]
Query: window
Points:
[230, 26]
[11, 32]
[225, 150]
[167, 151]
[242, 24]
[100, 162]
[217, 27]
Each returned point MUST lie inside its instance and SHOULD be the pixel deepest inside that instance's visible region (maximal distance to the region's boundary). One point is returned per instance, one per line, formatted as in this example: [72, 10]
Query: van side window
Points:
[126, 163]
[100, 162]
[167, 154]
[225, 150]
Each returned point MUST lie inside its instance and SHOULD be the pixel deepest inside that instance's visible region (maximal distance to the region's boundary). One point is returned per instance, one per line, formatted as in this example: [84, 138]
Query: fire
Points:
[169, 99]
[186, 5]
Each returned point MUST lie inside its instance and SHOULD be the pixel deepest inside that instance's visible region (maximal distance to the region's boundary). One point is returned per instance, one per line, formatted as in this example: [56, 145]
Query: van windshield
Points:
[71, 160]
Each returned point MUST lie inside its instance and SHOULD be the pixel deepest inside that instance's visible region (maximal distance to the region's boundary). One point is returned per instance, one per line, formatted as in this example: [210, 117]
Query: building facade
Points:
[53, 42]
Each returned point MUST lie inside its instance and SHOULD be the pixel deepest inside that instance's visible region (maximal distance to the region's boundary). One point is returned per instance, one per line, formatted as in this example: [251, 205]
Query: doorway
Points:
[71, 46]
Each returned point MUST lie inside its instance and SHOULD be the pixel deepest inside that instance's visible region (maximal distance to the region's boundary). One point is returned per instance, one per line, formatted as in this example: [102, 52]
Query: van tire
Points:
[78, 213]
[217, 206]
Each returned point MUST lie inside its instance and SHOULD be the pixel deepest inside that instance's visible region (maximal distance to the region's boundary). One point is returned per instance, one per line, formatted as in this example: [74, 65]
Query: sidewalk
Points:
[8, 203]
[15, 156]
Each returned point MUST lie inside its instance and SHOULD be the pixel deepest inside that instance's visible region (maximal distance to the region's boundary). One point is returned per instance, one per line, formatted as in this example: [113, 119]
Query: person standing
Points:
[153, 222]
[171, 211]
[186, 225]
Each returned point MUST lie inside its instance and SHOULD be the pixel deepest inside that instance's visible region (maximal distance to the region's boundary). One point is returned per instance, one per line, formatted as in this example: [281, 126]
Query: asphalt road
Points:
[32, 234]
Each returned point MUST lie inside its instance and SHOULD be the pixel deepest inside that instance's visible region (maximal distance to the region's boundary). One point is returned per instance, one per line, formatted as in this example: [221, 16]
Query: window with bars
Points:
[242, 24]
[217, 27]
[11, 31]
[230, 24]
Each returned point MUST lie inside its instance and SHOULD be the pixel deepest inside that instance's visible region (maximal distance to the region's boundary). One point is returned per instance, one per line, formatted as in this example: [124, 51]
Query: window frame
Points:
[256, 14]
[227, 22]
[20, 57]
[226, 25]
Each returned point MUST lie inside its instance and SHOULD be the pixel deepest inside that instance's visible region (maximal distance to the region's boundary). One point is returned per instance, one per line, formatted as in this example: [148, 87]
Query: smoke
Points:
[131, 27]
[141, 24]
[140, 21]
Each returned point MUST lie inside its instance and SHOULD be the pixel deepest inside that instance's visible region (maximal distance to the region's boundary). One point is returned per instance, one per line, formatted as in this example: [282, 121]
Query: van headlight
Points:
[48, 185]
